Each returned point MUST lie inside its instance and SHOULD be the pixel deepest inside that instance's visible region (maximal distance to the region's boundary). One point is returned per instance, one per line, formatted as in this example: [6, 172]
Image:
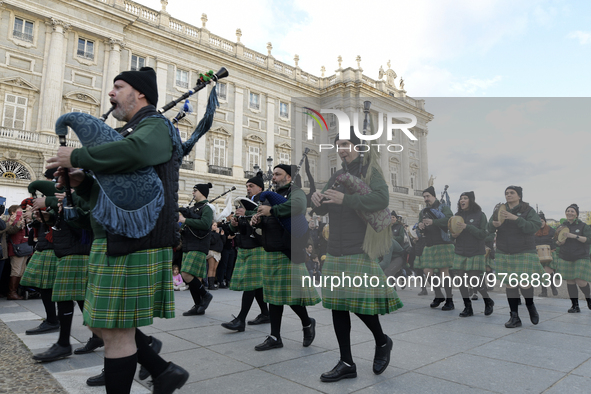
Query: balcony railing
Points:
[85, 54]
[400, 189]
[419, 193]
[254, 105]
[249, 174]
[182, 84]
[188, 165]
[220, 170]
[22, 36]
[35, 137]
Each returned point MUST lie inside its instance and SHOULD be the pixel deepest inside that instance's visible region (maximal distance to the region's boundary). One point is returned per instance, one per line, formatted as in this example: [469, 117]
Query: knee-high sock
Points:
[465, 295]
[302, 313]
[513, 298]
[195, 287]
[48, 305]
[373, 323]
[81, 305]
[341, 321]
[528, 294]
[586, 290]
[147, 357]
[275, 314]
[247, 299]
[573, 293]
[258, 295]
[65, 313]
[482, 290]
[447, 288]
[119, 373]
[437, 290]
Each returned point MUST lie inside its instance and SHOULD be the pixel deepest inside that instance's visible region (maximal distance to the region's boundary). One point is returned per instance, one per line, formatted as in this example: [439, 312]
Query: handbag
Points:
[22, 250]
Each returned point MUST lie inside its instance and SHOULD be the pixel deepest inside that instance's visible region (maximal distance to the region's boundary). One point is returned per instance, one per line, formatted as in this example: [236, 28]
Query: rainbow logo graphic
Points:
[316, 118]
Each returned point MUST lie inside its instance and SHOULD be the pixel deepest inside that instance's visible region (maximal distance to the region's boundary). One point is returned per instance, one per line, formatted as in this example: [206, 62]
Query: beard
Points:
[125, 108]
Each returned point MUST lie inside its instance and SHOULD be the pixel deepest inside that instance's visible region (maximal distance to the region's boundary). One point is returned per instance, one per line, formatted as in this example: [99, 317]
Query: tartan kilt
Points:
[195, 263]
[40, 271]
[282, 282]
[437, 256]
[474, 263]
[552, 264]
[377, 298]
[128, 291]
[71, 278]
[571, 270]
[520, 263]
[248, 270]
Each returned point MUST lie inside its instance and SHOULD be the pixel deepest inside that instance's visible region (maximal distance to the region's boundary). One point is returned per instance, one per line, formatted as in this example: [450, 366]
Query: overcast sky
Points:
[537, 48]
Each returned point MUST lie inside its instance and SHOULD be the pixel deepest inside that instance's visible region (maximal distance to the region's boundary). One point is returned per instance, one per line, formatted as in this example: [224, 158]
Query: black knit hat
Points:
[257, 180]
[144, 81]
[49, 174]
[289, 168]
[471, 196]
[542, 216]
[203, 188]
[353, 139]
[575, 207]
[518, 190]
[430, 190]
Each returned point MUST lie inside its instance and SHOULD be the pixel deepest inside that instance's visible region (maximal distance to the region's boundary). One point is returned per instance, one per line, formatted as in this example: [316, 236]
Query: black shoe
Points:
[205, 300]
[436, 302]
[467, 311]
[260, 319]
[97, 380]
[588, 302]
[574, 309]
[173, 377]
[235, 325]
[381, 358]
[43, 328]
[341, 371]
[555, 290]
[156, 346]
[514, 321]
[223, 285]
[309, 333]
[488, 306]
[269, 344]
[55, 352]
[449, 305]
[193, 311]
[91, 345]
[533, 314]
[422, 293]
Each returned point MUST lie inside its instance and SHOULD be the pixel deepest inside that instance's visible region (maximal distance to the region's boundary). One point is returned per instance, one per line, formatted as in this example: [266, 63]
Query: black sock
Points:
[302, 313]
[247, 299]
[513, 298]
[373, 323]
[258, 295]
[572, 291]
[448, 293]
[119, 373]
[81, 305]
[65, 313]
[276, 313]
[528, 294]
[147, 357]
[438, 292]
[48, 305]
[586, 290]
[194, 286]
[464, 292]
[482, 290]
[341, 321]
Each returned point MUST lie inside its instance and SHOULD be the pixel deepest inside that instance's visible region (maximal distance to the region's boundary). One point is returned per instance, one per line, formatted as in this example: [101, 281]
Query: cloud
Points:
[474, 85]
[583, 36]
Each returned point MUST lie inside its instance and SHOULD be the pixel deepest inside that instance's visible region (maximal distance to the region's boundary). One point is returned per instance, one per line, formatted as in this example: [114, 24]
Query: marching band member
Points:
[545, 236]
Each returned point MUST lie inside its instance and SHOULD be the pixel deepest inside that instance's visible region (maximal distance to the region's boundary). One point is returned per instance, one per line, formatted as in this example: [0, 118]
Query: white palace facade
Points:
[58, 56]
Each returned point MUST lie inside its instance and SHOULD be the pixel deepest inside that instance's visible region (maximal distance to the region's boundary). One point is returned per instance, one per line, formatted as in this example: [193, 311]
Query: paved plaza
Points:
[434, 351]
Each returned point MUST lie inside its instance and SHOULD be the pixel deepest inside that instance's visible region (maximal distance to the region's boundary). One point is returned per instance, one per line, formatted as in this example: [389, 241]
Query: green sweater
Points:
[206, 219]
[149, 145]
[528, 224]
[295, 205]
[478, 232]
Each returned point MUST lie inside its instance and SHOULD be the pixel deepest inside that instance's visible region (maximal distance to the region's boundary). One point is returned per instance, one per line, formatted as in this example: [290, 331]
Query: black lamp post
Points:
[269, 175]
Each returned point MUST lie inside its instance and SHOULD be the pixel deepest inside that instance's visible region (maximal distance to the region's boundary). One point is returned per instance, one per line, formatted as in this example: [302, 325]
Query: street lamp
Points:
[269, 175]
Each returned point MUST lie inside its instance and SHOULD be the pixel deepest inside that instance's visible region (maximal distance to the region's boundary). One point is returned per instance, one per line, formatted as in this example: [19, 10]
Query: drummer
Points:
[545, 236]
[573, 261]
[468, 227]
[516, 254]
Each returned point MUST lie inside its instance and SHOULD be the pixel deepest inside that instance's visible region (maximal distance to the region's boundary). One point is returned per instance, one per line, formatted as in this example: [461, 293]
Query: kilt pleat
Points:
[474, 263]
[70, 279]
[367, 296]
[195, 263]
[437, 256]
[128, 291]
[41, 269]
[571, 270]
[248, 270]
[520, 263]
[282, 282]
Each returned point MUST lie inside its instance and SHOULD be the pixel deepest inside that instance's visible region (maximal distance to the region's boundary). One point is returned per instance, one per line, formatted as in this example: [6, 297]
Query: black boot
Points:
[436, 302]
[588, 302]
[449, 305]
[235, 325]
[514, 321]
[554, 289]
[575, 308]
[544, 292]
[467, 308]
[488, 306]
[211, 282]
[533, 314]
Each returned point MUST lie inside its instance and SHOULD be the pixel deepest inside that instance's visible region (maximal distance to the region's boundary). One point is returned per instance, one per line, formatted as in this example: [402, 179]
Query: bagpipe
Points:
[48, 189]
[435, 213]
[129, 204]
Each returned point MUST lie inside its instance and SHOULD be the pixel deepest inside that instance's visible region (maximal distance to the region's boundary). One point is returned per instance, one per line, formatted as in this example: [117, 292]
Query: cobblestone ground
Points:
[19, 374]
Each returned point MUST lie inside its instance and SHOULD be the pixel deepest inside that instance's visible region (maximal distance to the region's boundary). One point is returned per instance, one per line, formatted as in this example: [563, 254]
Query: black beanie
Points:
[49, 174]
[203, 188]
[287, 168]
[353, 139]
[518, 190]
[575, 207]
[542, 216]
[257, 180]
[430, 190]
[144, 81]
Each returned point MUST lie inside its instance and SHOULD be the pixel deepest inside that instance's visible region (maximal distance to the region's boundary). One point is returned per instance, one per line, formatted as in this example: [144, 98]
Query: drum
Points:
[500, 207]
[452, 225]
[544, 253]
[560, 234]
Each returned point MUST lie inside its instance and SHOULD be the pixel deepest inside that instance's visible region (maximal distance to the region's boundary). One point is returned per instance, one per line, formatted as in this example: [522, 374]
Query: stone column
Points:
[424, 160]
[200, 158]
[161, 79]
[51, 92]
[405, 166]
[299, 129]
[237, 165]
[113, 47]
[271, 132]
[385, 159]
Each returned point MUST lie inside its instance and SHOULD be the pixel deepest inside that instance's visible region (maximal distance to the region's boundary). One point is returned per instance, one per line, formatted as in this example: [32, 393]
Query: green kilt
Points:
[71, 278]
[552, 264]
[474, 263]
[195, 263]
[571, 270]
[40, 271]
[437, 256]
[520, 263]
[128, 291]
[366, 292]
[248, 271]
[282, 282]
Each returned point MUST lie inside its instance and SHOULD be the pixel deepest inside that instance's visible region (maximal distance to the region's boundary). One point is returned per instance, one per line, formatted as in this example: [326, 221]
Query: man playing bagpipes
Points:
[130, 276]
[282, 283]
[353, 248]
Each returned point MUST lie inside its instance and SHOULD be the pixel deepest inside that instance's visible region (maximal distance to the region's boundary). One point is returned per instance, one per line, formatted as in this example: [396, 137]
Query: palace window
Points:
[284, 158]
[284, 110]
[333, 166]
[13, 170]
[15, 112]
[137, 62]
[23, 30]
[254, 157]
[254, 101]
[85, 49]
[218, 153]
[182, 78]
[222, 91]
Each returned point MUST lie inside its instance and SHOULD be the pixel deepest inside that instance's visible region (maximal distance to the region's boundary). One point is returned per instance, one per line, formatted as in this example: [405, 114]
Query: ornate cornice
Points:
[113, 41]
[57, 22]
